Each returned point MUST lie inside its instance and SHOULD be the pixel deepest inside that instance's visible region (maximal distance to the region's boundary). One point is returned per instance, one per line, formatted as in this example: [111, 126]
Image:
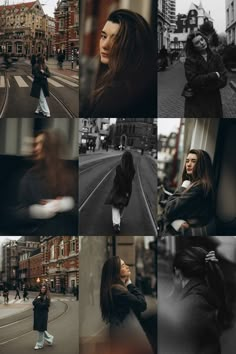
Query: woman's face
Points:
[124, 269]
[199, 43]
[191, 161]
[38, 147]
[108, 34]
[43, 289]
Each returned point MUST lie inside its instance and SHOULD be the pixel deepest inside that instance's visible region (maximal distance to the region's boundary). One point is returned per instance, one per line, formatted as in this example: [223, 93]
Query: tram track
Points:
[5, 97]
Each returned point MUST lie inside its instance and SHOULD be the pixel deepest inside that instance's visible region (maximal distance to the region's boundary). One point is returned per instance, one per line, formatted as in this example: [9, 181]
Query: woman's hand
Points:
[211, 257]
[185, 225]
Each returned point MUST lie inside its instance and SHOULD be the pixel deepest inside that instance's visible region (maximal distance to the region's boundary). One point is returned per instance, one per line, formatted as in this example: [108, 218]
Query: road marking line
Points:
[55, 83]
[75, 77]
[21, 82]
[2, 81]
[30, 78]
[66, 81]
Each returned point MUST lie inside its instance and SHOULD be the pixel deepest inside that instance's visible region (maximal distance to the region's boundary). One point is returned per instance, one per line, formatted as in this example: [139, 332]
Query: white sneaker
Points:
[49, 341]
[37, 347]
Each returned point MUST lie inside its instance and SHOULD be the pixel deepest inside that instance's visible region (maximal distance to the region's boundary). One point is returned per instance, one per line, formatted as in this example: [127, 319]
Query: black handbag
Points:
[187, 91]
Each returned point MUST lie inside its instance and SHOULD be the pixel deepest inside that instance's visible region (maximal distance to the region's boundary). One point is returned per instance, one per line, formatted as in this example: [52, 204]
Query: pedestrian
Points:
[33, 61]
[126, 77]
[25, 294]
[48, 191]
[17, 292]
[163, 57]
[121, 191]
[191, 208]
[40, 88]
[41, 307]
[60, 59]
[121, 304]
[196, 309]
[5, 295]
[206, 75]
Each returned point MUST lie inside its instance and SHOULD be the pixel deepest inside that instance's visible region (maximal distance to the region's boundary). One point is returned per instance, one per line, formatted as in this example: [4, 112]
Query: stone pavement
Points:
[170, 86]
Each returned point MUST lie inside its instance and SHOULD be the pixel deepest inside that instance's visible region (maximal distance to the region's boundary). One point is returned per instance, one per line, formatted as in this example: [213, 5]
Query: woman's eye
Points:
[103, 36]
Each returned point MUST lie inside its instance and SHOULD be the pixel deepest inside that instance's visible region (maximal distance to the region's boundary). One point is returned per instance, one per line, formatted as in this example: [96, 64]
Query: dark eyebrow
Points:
[104, 32]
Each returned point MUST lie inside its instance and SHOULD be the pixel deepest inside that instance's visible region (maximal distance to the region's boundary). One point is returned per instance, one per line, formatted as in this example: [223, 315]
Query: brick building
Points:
[67, 27]
[139, 133]
[60, 262]
[30, 267]
[25, 29]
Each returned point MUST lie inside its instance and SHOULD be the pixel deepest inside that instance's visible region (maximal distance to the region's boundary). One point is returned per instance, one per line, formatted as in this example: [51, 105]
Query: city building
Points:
[165, 21]
[11, 252]
[60, 262]
[186, 23]
[138, 133]
[25, 29]
[67, 28]
[93, 132]
[231, 21]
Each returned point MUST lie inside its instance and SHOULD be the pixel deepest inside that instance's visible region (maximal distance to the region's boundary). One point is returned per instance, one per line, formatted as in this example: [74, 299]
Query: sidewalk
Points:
[66, 72]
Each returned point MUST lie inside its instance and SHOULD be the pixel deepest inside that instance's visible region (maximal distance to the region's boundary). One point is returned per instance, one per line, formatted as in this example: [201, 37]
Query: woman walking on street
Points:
[40, 86]
[41, 307]
[192, 204]
[17, 293]
[126, 78]
[25, 294]
[206, 75]
[121, 304]
[5, 294]
[120, 193]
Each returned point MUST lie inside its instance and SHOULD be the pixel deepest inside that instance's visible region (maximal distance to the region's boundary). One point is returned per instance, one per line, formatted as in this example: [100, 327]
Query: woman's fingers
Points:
[211, 257]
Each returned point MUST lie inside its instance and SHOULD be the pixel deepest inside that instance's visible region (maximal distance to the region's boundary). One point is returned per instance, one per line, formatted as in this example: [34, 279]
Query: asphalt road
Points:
[16, 335]
[21, 105]
[95, 218]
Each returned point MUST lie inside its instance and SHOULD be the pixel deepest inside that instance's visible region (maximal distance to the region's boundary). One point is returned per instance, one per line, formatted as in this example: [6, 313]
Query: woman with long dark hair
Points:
[41, 307]
[206, 75]
[120, 194]
[48, 191]
[126, 78]
[40, 89]
[192, 204]
[196, 309]
[121, 304]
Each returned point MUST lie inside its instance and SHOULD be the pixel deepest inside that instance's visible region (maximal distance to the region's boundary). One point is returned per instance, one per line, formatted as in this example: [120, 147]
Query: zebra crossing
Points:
[26, 81]
[13, 301]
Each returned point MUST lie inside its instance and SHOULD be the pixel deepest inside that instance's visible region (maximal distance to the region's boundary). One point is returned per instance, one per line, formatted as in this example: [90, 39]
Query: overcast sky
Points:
[48, 7]
[3, 238]
[216, 7]
[167, 125]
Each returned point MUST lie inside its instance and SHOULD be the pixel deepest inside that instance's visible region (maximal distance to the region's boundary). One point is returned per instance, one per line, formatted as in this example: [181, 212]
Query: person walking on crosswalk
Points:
[17, 293]
[40, 88]
[41, 307]
[25, 294]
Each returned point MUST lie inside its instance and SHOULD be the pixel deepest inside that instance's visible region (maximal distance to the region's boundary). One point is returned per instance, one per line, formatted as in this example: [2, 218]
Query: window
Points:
[52, 252]
[73, 244]
[61, 248]
[232, 11]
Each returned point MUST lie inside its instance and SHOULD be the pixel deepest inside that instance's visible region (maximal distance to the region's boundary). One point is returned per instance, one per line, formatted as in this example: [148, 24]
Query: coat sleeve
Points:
[133, 298]
[209, 81]
[181, 201]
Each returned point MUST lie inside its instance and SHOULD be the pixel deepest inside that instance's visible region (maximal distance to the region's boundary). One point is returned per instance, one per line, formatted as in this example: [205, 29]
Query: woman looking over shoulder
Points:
[206, 75]
[126, 78]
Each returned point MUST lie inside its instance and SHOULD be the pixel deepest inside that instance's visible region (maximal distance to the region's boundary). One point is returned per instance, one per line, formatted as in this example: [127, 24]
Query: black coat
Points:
[41, 307]
[40, 82]
[196, 329]
[123, 99]
[121, 190]
[191, 205]
[202, 78]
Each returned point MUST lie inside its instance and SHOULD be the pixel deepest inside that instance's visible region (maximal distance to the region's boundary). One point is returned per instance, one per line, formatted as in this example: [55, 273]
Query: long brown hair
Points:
[41, 62]
[127, 165]
[132, 55]
[59, 178]
[45, 295]
[189, 48]
[202, 171]
[110, 278]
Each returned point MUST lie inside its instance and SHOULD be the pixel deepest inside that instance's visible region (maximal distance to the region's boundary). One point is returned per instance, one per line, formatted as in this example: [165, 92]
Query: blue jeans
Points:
[44, 336]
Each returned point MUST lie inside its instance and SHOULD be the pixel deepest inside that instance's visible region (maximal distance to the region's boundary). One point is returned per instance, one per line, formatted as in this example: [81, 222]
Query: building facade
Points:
[186, 23]
[93, 132]
[25, 29]
[165, 22]
[138, 133]
[231, 21]
[67, 28]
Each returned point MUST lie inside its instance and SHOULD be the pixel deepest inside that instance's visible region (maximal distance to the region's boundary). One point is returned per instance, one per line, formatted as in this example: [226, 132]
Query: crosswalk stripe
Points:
[66, 81]
[30, 78]
[21, 82]
[75, 77]
[55, 83]
[2, 81]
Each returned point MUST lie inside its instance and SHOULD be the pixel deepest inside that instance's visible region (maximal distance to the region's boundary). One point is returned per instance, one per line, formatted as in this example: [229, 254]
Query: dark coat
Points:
[41, 307]
[120, 193]
[191, 205]
[196, 329]
[202, 78]
[124, 99]
[40, 82]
